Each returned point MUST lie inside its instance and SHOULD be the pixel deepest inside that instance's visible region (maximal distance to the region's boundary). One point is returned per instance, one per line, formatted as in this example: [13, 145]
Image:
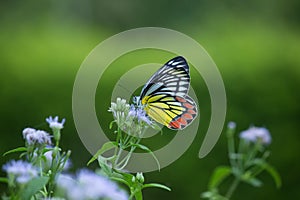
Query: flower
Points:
[22, 171]
[54, 124]
[141, 116]
[88, 185]
[33, 136]
[119, 106]
[255, 134]
[131, 119]
[231, 125]
[27, 131]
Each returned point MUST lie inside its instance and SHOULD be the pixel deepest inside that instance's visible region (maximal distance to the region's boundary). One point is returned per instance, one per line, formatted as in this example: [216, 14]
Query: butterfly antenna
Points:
[121, 86]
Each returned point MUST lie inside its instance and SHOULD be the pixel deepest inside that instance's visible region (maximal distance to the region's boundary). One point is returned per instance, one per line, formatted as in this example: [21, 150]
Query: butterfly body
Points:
[164, 97]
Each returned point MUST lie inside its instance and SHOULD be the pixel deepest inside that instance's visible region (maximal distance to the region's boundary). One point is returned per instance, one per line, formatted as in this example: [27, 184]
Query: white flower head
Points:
[255, 134]
[88, 185]
[23, 171]
[119, 107]
[54, 123]
[33, 136]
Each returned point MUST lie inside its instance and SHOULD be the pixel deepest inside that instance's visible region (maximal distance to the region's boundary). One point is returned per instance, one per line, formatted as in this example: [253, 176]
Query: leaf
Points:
[3, 180]
[124, 176]
[271, 170]
[111, 124]
[145, 148]
[19, 149]
[120, 180]
[254, 182]
[105, 147]
[274, 173]
[105, 168]
[219, 174]
[33, 186]
[157, 185]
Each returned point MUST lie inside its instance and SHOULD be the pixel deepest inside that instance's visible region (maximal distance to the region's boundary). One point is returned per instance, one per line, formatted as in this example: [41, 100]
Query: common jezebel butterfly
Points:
[164, 97]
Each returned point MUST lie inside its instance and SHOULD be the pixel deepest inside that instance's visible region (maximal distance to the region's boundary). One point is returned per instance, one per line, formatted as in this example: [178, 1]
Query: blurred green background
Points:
[255, 44]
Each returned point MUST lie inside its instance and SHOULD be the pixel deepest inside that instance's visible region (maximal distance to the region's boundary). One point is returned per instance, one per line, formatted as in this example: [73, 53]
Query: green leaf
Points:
[33, 186]
[213, 195]
[274, 173]
[219, 174]
[19, 149]
[105, 147]
[157, 185]
[105, 168]
[254, 182]
[121, 180]
[3, 180]
[271, 170]
[145, 148]
[111, 124]
[125, 176]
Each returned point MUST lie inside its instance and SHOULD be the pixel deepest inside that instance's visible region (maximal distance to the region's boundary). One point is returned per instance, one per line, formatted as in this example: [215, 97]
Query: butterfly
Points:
[164, 97]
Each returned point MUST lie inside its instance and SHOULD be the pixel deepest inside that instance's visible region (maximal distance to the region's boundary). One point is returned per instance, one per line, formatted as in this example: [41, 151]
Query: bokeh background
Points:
[255, 44]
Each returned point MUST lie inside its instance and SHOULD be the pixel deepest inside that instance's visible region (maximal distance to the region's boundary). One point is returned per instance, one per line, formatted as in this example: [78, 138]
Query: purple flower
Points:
[132, 111]
[54, 123]
[21, 170]
[33, 136]
[88, 185]
[141, 116]
[256, 134]
[231, 125]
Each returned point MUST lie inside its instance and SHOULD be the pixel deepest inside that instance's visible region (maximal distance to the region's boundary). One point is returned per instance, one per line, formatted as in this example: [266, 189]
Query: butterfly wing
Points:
[164, 97]
[174, 112]
[172, 79]
[188, 115]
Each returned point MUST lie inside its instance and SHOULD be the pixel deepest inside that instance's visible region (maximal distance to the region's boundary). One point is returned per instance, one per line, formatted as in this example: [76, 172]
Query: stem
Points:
[232, 188]
[231, 150]
[118, 156]
[251, 155]
[126, 159]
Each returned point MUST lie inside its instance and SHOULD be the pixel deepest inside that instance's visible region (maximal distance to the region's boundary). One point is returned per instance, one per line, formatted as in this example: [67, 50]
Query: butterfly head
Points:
[137, 100]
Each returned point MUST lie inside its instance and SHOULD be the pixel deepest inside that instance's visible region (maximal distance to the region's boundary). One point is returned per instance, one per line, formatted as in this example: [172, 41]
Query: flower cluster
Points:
[21, 171]
[256, 134]
[88, 185]
[39, 137]
[130, 119]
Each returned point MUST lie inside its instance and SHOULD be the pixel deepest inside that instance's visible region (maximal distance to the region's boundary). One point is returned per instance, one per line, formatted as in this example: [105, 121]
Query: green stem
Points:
[231, 150]
[232, 188]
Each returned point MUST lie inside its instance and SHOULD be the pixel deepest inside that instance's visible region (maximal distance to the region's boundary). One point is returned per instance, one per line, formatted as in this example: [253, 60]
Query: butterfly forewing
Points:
[172, 79]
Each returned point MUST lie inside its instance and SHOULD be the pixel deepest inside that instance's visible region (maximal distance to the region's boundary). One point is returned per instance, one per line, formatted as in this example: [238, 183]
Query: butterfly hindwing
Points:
[187, 116]
[163, 108]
